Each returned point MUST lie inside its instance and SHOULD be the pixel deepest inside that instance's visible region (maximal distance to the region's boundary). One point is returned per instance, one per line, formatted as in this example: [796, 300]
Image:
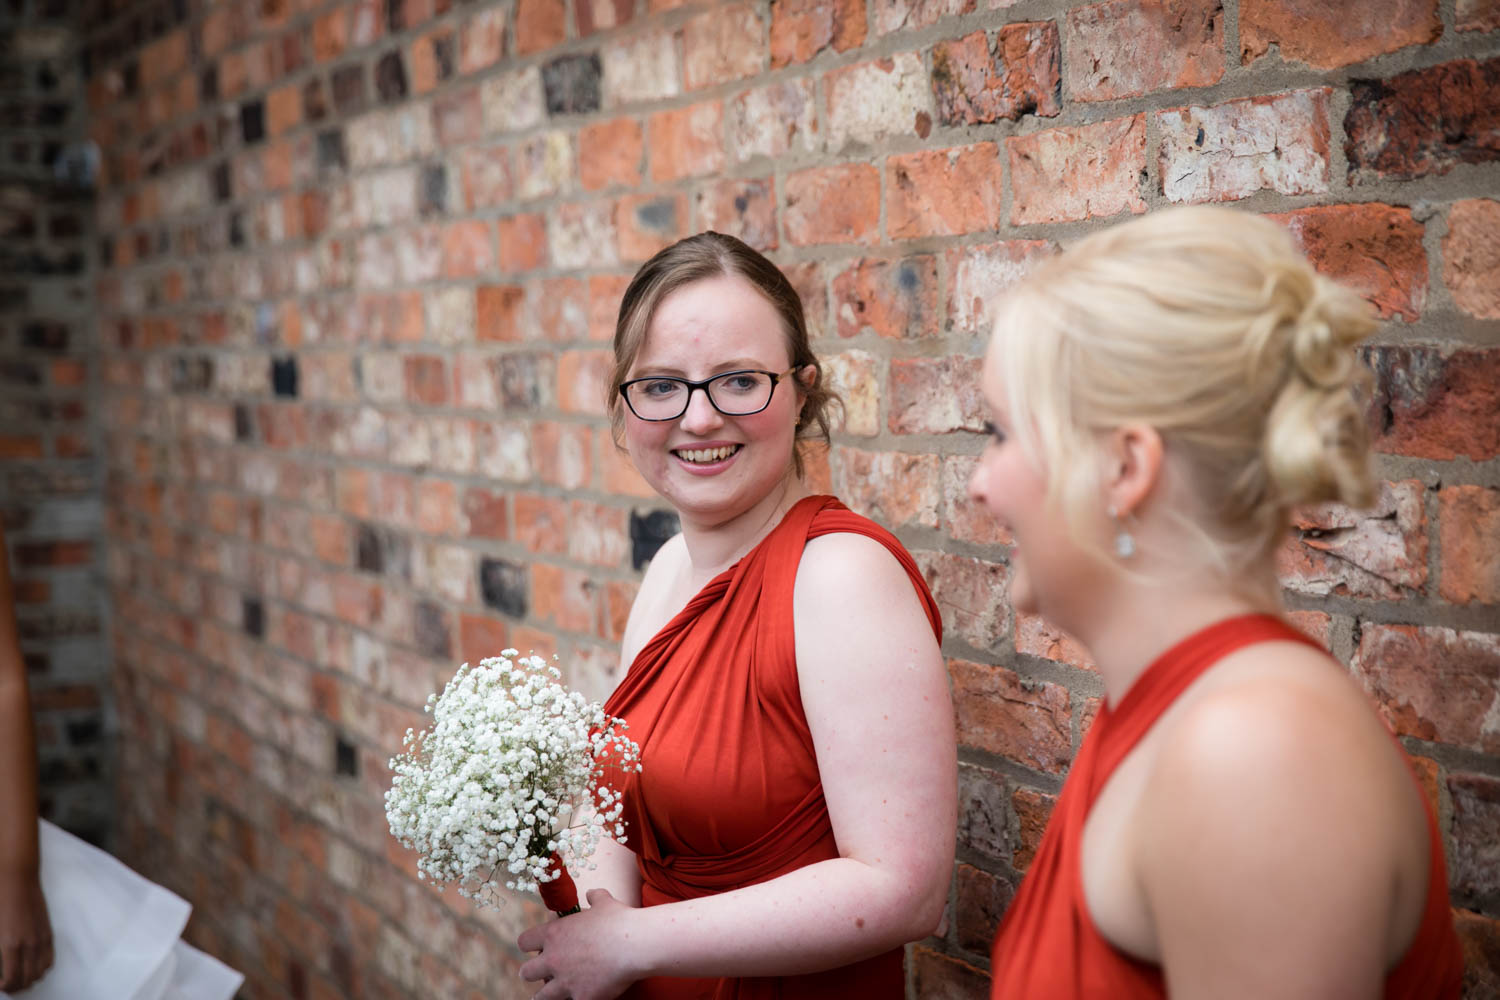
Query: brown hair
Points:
[708, 255]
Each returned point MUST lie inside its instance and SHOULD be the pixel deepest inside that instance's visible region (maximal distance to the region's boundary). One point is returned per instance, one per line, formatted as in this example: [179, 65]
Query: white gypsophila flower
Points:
[511, 771]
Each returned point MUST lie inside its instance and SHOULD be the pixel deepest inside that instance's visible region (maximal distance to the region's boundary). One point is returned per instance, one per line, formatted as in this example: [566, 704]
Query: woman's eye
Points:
[741, 383]
[994, 432]
[660, 387]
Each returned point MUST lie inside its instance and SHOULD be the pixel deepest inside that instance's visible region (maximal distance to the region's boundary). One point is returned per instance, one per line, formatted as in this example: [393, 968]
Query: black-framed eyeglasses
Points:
[734, 394]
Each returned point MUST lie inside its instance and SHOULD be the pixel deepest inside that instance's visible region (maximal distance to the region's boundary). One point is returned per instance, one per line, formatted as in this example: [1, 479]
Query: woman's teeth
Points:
[705, 455]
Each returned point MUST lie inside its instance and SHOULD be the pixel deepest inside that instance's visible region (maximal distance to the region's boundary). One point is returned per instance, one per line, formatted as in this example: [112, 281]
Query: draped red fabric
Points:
[730, 794]
[1048, 948]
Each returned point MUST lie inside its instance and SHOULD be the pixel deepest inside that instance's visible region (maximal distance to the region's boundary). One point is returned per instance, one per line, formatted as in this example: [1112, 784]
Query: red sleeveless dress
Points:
[730, 794]
[1048, 948]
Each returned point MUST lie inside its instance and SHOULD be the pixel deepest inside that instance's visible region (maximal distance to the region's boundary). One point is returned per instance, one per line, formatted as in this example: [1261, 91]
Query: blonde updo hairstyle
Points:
[1208, 325]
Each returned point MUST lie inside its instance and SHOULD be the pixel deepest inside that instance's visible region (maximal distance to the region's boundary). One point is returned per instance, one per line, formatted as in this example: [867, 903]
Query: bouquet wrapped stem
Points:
[508, 787]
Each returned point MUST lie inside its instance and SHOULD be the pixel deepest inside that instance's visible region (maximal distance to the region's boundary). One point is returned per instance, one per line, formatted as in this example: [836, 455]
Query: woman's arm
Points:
[25, 932]
[876, 698]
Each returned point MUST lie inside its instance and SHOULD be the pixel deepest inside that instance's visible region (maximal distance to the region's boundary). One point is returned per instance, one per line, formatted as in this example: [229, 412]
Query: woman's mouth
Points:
[706, 456]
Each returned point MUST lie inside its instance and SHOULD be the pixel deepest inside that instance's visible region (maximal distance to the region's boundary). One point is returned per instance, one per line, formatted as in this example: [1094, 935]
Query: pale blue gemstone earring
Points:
[1124, 540]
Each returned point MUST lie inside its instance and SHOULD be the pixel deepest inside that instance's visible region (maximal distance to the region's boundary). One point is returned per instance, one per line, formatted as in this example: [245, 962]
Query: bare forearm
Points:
[616, 871]
[18, 780]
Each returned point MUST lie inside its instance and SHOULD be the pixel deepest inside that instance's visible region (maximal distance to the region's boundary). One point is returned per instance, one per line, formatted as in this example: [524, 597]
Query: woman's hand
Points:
[25, 931]
[584, 956]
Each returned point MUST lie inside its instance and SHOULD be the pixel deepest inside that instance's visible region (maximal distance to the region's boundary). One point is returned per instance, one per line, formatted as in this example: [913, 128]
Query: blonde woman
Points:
[1238, 823]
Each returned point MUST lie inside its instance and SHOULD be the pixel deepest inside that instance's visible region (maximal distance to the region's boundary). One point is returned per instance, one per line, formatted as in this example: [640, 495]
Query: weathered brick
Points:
[855, 376]
[527, 380]
[1091, 171]
[686, 142]
[971, 594]
[513, 100]
[433, 59]
[1237, 148]
[468, 249]
[648, 223]
[1476, 850]
[458, 117]
[935, 395]
[1433, 683]
[964, 519]
[558, 309]
[601, 15]
[605, 293]
[1479, 935]
[1032, 808]
[1126, 48]
[980, 900]
[1471, 256]
[486, 176]
[1469, 541]
[562, 453]
[1431, 403]
[745, 209]
[598, 536]
[944, 977]
[772, 121]
[894, 298]
[523, 242]
[895, 488]
[720, 45]
[838, 204]
[1422, 122]
[640, 69]
[499, 312]
[540, 24]
[541, 523]
[1380, 552]
[579, 377]
[978, 275]
[908, 15]
[800, 29]
[448, 314]
[1477, 15]
[1373, 248]
[973, 82]
[545, 165]
[943, 192]
[1335, 33]
[983, 811]
[1035, 636]
[610, 154]
[481, 40]
[582, 235]
[874, 101]
[480, 636]
[1030, 722]
[564, 597]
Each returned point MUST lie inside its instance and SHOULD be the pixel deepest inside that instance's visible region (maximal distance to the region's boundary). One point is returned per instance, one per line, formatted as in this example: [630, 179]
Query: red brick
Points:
[426, 380]
[468, 249]
[973, 82]
[605, 294]
[1434, 683]
[1375, 249]
[331, 35]
[1471, 256]
[611, 154]
[908, 15]
[431, 60]
[1037, 637]
[29, 555]
[1032, 809]
[1232, 150]
[18, 446]
[939, 977]
[980, 900]
[800, 29]
[599, 536]
[581, 376]
[601, 15]
[1379, 553]
[978, 275]
[648, 223]
[1432, 404]
[583, 235]
[540, 24]
[481, 40]
[367, 22]
[562, 453]
[1475, 861]
[500, 312]
[332, 538]
[1091, 171]
[838, 204]
[1477, 15]
[971, 594]
[1029, 722]
[523, 243]
[458, 117]
[1337, 32]
[894, 488]
[745, 209]
[437, 507]
[1126, 48]
[541, 524]
[1317, 625]
[943, 192]
[559, 309]
[1423, 122]
[564, 597]
[964, 519]
[1469, 540]
[480, 636]
[935, 395]
[1479, 936]
[772, 121]
[686, 142]
[485, 513]
[874, 101]
[894, 298]
[720, 45]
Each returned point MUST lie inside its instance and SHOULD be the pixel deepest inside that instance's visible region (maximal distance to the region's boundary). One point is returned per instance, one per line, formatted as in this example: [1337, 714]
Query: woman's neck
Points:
[714, 547]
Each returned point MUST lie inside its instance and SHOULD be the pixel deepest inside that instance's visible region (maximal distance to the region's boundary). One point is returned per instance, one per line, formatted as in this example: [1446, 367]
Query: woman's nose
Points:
[700, 412]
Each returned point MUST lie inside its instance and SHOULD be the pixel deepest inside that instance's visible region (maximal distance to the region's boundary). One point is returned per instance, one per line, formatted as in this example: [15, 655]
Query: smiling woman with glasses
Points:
[793, 826]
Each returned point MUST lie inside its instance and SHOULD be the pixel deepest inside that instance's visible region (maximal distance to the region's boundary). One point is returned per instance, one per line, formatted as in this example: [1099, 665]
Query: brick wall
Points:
[360, 266]
[50, 475]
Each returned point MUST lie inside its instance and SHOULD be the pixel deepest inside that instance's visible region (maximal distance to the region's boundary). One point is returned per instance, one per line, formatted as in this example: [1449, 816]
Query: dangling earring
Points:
[1124, 540]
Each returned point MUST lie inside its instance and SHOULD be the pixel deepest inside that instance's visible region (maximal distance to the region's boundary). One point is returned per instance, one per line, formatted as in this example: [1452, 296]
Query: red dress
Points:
[1048, 948]
[730, 794]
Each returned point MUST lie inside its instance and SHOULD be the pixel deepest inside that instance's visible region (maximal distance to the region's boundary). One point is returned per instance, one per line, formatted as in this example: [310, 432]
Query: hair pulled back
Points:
[1209, 325]
[709, 255]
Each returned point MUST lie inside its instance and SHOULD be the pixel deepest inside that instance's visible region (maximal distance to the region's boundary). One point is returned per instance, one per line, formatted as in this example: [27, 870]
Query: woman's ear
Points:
[1134, 458]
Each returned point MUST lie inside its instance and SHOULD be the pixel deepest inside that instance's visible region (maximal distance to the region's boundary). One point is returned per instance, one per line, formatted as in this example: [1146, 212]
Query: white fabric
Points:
[116, 935]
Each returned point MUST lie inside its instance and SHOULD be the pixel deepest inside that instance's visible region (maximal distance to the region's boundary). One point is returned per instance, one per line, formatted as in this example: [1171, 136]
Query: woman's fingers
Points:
[537, 968]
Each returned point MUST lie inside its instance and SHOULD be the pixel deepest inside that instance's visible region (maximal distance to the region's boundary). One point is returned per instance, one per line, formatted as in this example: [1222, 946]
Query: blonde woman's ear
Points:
[1134, 458]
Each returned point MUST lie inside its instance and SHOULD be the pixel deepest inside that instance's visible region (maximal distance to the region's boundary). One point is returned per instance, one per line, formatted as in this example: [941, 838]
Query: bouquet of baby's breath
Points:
[508, 786]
